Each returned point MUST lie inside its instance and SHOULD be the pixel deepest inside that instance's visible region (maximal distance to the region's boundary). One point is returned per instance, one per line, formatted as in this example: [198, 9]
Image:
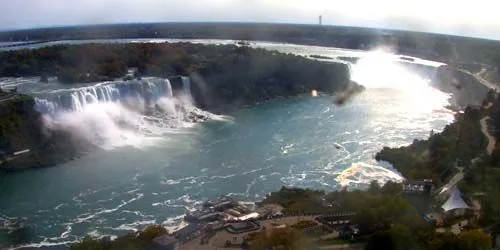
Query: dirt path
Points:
[491, 139]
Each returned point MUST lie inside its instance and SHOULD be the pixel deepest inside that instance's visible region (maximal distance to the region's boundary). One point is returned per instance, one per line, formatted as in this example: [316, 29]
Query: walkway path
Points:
[491, 145]
[453, 181]
[491, 139]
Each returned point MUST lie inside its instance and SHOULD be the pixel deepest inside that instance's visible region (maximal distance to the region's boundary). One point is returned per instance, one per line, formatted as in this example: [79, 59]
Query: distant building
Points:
[205, 215]
[220, 209]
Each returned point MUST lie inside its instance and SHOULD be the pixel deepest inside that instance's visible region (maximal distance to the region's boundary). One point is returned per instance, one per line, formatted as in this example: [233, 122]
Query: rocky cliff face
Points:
[23, 141]
[465, 88]
[219, 92]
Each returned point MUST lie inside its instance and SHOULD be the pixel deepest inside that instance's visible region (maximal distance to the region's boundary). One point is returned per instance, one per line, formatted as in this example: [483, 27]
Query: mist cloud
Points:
[476, 18]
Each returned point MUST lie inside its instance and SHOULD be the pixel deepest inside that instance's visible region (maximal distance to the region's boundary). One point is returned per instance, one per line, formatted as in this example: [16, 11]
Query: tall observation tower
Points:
[320, 18]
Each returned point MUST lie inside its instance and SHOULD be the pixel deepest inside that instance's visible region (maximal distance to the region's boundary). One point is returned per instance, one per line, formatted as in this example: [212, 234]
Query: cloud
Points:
[445, 16]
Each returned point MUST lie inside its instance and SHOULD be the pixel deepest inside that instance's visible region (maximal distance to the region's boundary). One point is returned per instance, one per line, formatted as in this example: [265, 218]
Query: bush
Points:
[142, 240]
[226, 74]
[303, 224]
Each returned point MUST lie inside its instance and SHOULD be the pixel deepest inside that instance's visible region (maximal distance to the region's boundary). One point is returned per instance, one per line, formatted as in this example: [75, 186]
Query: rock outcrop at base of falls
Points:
[25, 143]
[28, 141]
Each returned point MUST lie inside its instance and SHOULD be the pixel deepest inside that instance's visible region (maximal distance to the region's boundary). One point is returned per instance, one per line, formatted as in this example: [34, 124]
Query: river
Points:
[156, 177]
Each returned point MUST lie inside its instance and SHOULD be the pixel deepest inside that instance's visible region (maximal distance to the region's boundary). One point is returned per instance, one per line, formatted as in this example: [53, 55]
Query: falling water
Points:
[148, 89]
[303, 142]
[120, 113]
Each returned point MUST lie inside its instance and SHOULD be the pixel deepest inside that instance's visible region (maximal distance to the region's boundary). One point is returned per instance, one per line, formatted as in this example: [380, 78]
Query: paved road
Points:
[453, 181]
[491, 139]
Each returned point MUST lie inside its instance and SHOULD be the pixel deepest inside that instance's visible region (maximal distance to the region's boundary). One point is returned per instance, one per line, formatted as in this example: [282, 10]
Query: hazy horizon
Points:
[444, 17]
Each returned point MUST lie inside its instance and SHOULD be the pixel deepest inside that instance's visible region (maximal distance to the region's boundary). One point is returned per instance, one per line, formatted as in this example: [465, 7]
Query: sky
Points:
[478, 18]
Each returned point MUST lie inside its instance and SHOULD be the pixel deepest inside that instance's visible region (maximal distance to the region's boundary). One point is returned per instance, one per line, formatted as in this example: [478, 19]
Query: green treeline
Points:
[375, 208]
[385, 217]
[460, 145]
[141, 240]
[221, 75]
[437, 157]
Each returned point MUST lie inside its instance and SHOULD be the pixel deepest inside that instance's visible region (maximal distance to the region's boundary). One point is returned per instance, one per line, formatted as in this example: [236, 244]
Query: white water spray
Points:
[114, 114]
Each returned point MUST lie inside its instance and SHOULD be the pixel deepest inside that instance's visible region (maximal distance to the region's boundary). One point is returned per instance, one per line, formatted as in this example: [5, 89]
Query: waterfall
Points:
[119, 113]
[148, 89]
[186, 83]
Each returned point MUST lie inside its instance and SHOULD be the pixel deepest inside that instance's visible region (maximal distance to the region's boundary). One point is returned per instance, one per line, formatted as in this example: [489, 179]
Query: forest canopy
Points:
[221, 74]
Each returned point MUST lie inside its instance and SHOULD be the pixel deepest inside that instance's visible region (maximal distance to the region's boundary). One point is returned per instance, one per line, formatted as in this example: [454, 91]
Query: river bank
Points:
[222, 78]
[153, 178]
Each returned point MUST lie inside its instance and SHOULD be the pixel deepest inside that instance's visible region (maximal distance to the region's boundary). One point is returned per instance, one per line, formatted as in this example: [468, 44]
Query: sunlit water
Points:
[303, 141]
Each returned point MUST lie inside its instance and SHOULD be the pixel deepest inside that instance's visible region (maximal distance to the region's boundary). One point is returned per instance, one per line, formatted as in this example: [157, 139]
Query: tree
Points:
[87, 244]
[399, 237]
[366, 219]
[402, 237]
[490, 96]
[380, 240]
[152, 232]
[374, 187]
[143, 240]
[283, 238]
[392, 188]
[443, 241]
[68, 75]
[473, 240]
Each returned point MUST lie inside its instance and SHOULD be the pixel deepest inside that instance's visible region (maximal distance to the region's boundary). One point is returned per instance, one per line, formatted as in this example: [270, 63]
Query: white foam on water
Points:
[137, 213]
[90, 216]
[175, 223]
[66, 232]
[44, 243]
[190, 179]
[249, 186]
[111, 115]
[135, 226]
[380, 70]
[364, 173]
[126, 124]
[59, 206]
